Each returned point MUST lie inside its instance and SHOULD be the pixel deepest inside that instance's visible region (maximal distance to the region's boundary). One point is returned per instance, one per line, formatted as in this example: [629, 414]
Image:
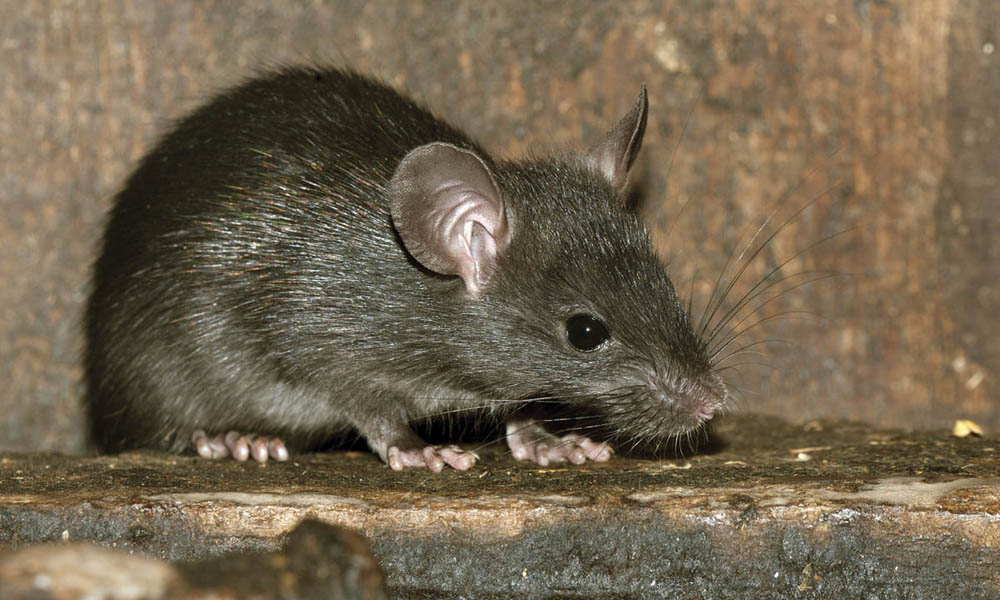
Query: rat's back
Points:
[247, 229]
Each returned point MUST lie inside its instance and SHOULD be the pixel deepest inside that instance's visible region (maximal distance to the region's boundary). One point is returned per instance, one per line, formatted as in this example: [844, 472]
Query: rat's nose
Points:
[704, 412]
[699, 398]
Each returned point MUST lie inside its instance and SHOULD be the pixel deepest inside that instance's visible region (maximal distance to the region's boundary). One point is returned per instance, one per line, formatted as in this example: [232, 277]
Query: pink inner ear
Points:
[462, 228]
[449, 213]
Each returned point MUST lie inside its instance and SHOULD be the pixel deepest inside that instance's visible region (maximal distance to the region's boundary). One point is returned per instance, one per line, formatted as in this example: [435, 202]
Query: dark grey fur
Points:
[251, 279]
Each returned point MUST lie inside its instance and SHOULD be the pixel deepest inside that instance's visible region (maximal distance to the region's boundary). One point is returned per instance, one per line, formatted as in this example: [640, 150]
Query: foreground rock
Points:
[319, 562]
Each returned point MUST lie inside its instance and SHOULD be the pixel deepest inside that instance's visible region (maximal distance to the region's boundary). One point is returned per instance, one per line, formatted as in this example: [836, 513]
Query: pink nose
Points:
[704, 412]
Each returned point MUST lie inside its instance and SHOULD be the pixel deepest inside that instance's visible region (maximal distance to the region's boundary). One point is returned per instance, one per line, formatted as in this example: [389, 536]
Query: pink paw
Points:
[239, 446]
[431, 457]
[529, 441]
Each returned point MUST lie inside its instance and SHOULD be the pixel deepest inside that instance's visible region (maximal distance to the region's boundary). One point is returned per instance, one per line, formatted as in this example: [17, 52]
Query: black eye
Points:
[586, 332]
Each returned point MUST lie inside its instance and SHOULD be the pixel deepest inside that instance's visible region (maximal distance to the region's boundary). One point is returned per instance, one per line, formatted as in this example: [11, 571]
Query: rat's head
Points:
[562, 287]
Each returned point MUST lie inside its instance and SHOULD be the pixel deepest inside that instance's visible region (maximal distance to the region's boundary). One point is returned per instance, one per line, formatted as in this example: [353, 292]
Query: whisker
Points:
[706, 316]
[779, 202]
[493, 403]
[745, 349]
[770, 300]
[789, 314]
[691, 293]
[673, 155]
[756, 233]
[730, 314]
[744, 364]
[746, 264]
[750, 294]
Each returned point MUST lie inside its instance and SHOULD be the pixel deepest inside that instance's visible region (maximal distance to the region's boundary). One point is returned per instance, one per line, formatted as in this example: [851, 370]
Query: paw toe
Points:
[277, 449]
[457, 458]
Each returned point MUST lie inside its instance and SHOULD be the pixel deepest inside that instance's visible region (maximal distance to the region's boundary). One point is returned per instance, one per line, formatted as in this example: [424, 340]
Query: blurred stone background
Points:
[884, 113]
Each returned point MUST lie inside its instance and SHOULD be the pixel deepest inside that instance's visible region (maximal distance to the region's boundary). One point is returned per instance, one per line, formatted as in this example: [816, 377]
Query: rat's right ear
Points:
[614, 154]
[448, 211]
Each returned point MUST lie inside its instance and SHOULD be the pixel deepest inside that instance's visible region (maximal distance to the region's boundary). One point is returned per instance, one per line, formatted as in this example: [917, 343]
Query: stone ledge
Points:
[770, 511]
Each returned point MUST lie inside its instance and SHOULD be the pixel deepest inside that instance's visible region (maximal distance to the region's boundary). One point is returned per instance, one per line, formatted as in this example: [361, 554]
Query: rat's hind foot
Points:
[239, 446]
[432, 457]
[529, 441]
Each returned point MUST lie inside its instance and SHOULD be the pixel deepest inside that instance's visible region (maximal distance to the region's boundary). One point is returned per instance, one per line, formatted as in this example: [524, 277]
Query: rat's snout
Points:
[690, 401]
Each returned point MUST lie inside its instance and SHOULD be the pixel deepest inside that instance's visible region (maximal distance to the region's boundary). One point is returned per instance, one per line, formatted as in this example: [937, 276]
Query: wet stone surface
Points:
[767, 509]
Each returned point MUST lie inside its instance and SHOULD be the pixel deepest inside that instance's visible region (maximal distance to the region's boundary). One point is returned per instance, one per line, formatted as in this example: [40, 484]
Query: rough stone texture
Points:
[317, 562]
[767, 510]
[884, 113]
[70, 571]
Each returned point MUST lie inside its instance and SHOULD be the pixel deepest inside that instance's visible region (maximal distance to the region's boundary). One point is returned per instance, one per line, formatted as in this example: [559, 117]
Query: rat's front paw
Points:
[239, 446]
[431, 457]
[529, 441]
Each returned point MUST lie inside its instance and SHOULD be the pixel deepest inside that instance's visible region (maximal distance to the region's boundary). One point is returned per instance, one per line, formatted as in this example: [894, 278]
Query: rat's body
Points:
[311, 254]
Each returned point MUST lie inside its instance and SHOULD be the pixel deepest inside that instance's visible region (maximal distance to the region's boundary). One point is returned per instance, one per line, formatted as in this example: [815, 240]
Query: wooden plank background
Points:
[884, 112]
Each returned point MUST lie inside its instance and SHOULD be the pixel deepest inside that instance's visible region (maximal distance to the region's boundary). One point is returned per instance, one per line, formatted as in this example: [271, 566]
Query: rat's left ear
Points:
[614, 154]
[449, 213]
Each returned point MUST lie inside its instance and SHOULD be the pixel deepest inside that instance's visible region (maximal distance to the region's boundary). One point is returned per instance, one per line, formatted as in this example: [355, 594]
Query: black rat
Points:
[312, 253]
